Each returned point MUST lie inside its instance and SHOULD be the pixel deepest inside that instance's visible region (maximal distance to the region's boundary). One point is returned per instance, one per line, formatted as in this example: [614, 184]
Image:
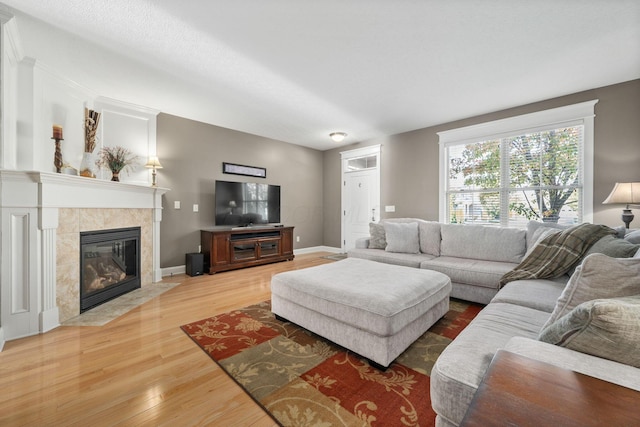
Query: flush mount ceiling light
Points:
[338, 136]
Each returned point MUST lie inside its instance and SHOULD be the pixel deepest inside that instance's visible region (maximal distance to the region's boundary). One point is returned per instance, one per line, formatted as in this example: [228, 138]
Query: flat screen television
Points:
[243, 204]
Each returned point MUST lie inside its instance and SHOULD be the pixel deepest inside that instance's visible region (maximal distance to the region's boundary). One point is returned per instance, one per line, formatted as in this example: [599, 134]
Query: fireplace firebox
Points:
[109, 265]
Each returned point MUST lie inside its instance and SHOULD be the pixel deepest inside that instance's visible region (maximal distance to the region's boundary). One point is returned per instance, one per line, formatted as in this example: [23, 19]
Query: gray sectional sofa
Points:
[525, 316]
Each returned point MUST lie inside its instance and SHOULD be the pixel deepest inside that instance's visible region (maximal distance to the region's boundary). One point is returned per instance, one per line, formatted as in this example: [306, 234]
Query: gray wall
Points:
[192, 153]
[409, 161]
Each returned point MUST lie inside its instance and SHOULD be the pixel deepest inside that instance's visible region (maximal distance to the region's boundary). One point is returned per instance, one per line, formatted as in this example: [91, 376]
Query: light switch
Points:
[391, 208]
[176, 204]
[195, 208]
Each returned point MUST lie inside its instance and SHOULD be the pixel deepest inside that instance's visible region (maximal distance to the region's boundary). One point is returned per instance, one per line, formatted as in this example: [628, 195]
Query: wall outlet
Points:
[199, 248]
[297, 238]
[176, 204]
[195, 208]
[390, 208]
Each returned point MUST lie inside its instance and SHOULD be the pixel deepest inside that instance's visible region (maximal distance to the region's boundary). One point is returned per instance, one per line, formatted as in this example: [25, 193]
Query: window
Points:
[532, 167]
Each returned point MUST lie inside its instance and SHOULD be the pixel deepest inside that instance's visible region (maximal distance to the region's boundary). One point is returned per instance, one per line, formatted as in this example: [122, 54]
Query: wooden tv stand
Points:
[227, 248]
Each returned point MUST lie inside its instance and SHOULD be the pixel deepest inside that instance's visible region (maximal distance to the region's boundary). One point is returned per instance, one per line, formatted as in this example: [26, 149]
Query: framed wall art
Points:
[234, 169]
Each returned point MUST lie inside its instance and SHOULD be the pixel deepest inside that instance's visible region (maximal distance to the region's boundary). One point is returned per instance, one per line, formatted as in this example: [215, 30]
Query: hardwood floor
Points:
[139, 369]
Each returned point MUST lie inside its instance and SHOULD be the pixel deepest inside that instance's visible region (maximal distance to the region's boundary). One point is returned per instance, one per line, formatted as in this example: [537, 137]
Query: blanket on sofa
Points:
[556, 254]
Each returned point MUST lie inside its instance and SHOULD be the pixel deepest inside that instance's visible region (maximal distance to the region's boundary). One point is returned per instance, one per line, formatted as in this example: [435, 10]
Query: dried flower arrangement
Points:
[91, 121]
[117, 159]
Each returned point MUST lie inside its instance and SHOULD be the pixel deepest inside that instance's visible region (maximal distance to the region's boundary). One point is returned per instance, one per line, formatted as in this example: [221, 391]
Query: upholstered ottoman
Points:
[373, 309]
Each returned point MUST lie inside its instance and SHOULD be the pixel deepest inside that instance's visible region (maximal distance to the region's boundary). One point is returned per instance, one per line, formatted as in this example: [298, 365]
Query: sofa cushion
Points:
[460, 368]
[429, 237]
[377, 237]
[402, 237]
[469, 271]
[599, 276]
[406, 260]
[479, 241]
[534, 226]
[540, 294]
[633, 237]
[607, 328]
[613, 247]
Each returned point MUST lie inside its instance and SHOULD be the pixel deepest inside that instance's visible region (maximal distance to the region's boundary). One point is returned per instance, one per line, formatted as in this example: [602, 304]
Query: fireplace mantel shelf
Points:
[68, 191]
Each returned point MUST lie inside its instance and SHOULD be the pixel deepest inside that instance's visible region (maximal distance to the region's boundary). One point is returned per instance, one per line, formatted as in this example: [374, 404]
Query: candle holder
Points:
[57, 157]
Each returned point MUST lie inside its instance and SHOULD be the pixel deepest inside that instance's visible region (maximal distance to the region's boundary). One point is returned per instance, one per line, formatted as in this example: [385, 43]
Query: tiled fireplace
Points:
[72, 222]
[42, 216]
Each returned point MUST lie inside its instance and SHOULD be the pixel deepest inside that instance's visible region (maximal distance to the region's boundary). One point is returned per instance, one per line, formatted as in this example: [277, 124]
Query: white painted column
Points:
[48, 224]
[156, 219]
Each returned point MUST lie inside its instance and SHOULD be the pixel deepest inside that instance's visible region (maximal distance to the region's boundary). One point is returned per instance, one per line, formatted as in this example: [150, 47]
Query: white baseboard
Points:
[181, 269]
[317, 249]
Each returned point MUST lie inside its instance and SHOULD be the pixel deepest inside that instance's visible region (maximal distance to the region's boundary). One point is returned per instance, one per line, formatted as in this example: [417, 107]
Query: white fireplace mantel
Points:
[29, 207]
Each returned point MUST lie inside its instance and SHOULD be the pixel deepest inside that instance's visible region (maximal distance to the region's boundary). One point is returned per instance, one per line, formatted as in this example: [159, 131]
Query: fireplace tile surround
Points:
[71, 222]
[42, 215]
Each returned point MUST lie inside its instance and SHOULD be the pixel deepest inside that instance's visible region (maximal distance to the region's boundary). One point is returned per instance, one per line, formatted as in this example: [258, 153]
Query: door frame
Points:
[345, 156]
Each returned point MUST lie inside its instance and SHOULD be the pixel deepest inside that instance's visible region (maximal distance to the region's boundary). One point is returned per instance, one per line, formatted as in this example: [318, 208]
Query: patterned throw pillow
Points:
[599, 276]
[377, 236]
[607, 328]
[402, 237]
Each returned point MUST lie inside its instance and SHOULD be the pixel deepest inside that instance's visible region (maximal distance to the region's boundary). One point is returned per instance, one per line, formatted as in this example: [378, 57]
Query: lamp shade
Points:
[624, 193]
[153, 163]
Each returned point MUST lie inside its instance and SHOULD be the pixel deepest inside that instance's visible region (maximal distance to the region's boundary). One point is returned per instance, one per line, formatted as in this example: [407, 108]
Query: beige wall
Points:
[409, 164]
[192, 153]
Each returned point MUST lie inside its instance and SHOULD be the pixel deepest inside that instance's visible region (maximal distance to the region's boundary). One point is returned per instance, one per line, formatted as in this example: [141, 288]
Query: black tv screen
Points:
[246, 203]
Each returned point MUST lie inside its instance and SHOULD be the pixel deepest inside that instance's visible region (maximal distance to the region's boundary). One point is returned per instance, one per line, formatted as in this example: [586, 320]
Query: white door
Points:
[360, 193]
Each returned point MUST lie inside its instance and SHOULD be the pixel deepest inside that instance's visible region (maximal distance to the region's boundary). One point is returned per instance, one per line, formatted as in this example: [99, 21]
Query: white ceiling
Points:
[296, 70]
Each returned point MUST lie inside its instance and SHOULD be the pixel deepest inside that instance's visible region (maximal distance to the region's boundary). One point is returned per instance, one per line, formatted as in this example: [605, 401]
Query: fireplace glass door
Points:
[109, 265]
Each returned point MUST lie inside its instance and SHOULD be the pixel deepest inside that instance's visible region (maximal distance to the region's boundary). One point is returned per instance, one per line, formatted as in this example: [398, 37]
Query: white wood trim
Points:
[581, 113]
[345, 156]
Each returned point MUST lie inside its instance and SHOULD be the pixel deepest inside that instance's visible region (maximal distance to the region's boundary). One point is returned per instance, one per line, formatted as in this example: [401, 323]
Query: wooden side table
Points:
[519, 391]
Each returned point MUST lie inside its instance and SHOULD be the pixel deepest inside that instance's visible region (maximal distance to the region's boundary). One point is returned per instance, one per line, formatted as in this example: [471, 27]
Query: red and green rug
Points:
[302, 379]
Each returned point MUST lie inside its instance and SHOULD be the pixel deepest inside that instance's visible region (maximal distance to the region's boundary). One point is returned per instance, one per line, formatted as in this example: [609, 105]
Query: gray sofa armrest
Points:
[607, 370]
[362, 243]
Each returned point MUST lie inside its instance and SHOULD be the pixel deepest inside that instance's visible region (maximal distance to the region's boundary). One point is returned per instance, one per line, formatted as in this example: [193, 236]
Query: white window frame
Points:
[572, 115]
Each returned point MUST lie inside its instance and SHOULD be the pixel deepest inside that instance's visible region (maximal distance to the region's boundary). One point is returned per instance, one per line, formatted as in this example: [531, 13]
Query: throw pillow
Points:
[599, 276]
[377, 238]
[402, 237]
[607, 328]
[533, 226]
[539, 235]
[633, 237]
[613, 247]
[429, 237]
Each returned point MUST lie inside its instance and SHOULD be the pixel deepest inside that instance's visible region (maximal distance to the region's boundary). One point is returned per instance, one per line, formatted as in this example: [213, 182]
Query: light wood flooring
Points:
[140, 369]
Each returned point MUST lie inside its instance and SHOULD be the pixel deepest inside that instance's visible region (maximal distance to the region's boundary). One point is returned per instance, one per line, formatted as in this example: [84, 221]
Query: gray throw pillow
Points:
[533, 226]
[402, 237]
[613, 247]
[599, 276]
[633, 237]
[377, 238]
[607, 328]
[429, 237]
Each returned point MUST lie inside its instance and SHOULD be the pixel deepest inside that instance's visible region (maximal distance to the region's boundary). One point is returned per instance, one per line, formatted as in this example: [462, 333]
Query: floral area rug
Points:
[302, 379]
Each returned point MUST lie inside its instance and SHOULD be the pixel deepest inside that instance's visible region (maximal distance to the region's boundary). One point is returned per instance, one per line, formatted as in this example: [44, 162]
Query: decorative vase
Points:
[88, 165]
[114, 176]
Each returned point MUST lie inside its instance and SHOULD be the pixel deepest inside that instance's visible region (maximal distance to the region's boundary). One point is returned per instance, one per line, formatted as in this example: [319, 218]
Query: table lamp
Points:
[154, 164]
[625, 193]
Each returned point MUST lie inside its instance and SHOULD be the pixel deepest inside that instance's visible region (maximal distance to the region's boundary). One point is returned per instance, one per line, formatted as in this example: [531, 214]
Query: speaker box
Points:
[195, 264]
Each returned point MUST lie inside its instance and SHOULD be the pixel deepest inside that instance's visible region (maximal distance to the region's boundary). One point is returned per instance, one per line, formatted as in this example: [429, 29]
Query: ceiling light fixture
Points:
[338, 136]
